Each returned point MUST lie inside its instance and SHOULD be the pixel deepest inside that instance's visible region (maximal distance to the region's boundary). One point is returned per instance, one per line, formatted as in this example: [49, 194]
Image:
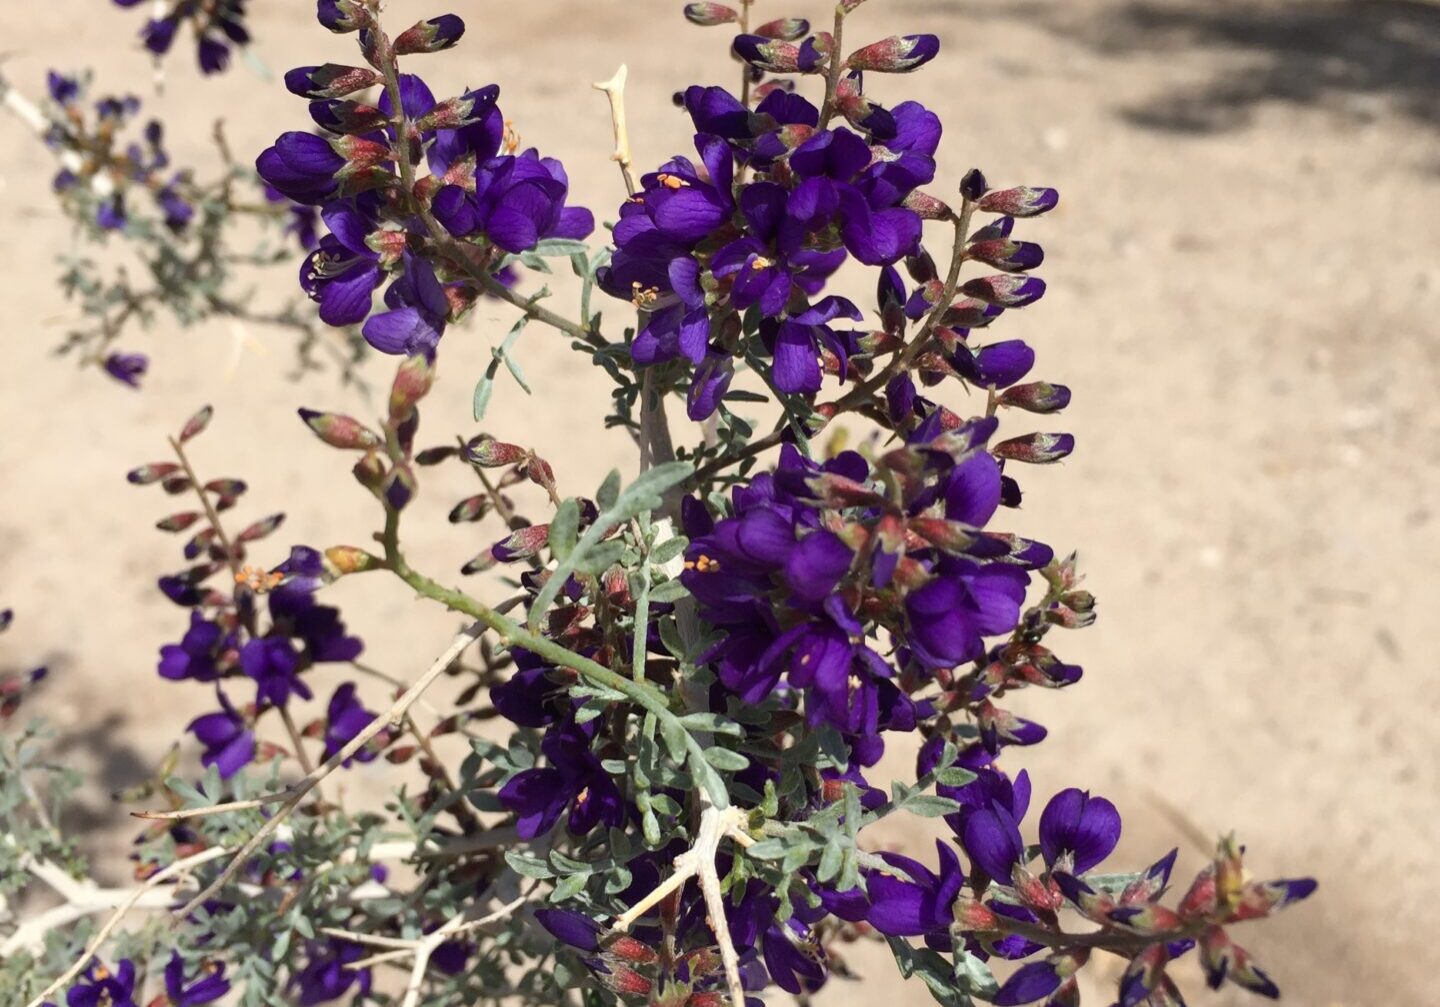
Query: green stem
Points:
[512, 634]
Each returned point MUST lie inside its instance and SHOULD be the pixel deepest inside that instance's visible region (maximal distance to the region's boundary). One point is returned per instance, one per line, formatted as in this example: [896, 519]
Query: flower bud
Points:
[369, 471]
[833, 490]
[470, 509]
[196, 424]
[972, 186]
[178, 522]
[1006, 291]
[969, 313]
[341, 116]
[1021, 201]
[786, 29]
[767, 54]
[926, 206]
[330, 80]
[1003, 253]
[433, 35]
[452, 113]
[948, 536]
[489, 453]
[972, 914]
[413, 379]
[340, 431]
[522, 543]
[347, 559]
[152, 473]
[1037, 397]
[1036, 449]
[708, 15]
[399, 487]
[896, 54]
[261, 528]
[359, 154]
[342, 16]
[921, 266]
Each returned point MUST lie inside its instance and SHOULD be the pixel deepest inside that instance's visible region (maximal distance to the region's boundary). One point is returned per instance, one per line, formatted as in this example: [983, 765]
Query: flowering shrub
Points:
[673, 723]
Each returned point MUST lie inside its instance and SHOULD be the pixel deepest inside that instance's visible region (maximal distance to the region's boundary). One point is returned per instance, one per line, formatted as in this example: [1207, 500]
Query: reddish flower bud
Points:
[196, 424]
[627, 948]
[972, 186]
[1021, 201]
[771, 55]
[401, 754]
[152, 473]
[834, 490]
[176, 485]
[786, 29]
[261, 528]
[470, 509]
[226, 487]
[341, 116]
[970, 313]
[1006, 291]
[521, 544]
[624, 980]
[1036, 449]
[1036, 397]
[413, 379]
[389, 244]
[926, 206]
[948, 536]
[489, 453]
[1003, 253]
[360, 154]
[178, 522]
[708, 15]
[347, 559]
[341, 431]
[972, 915]
[343, 16]
[433, 35]
[434, 456]
[331, 80]
[896, 54]
[479, 564]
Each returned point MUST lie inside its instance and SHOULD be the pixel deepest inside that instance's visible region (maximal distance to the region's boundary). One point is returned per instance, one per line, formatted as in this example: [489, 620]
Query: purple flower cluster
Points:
[215, 24]
[483, 193]
[95, 165]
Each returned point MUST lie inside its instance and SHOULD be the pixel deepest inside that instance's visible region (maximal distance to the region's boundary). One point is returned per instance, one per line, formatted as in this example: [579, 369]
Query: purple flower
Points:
[275, 666]
[417, 315]
[63, 90]
[127, 368]
[302, 166]
[229, 743]
[991, 837]
[951, 614]
[574, 780]
[99, 987]
[1079, 827]
[921, 905]
[518, 201]
[345, 718]
[328, 976]
[209, 986]
[343, 272]
[197, 653]
[1028, 984]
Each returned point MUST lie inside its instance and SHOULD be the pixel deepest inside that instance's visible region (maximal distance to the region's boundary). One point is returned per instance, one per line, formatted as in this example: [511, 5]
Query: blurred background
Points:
[1244, 279]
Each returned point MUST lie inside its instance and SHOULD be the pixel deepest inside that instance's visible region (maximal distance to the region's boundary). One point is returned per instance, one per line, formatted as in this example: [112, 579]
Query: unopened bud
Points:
[896, 54]
[413, 379]
[341, 116]
[771, 55]
[360, 154]
[489, 453]
[1036, 449]
[152, 473]
[348, 559]
[948, 536]
[1037, 397]
[1021, 201]
[196, 424]
[340, 431]
[708, 15]
[1006, 291]
[178, 522]
[470, 509]
[343, 16]
[453, 113]
[972, 186]
[329, 80]
[370, 471]
[521, 544]
[786, 29]
[1003, 253]
[399, 487]
[433, 35]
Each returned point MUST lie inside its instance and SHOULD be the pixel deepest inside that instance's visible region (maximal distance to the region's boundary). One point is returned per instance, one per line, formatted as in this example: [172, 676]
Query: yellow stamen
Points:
[258, 580]
[760, 262]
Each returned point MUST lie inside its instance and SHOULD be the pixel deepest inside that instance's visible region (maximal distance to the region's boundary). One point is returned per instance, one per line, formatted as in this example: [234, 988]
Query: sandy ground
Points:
[1243, 282]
